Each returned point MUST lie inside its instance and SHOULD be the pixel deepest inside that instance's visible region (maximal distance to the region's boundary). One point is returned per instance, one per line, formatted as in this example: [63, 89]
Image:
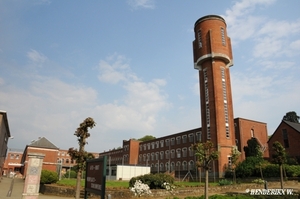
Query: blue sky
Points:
[129, 65]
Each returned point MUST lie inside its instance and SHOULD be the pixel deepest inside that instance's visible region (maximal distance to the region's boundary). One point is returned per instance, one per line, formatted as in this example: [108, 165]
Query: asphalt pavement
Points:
[12, 188]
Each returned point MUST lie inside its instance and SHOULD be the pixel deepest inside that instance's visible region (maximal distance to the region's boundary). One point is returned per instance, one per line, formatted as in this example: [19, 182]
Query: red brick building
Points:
[12, 164]
[42, 146]
[288, 134]
[172, 153]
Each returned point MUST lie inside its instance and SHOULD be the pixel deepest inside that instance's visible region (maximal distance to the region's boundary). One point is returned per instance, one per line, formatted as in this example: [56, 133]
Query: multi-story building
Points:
[12, 164]
[173, 153]
[4, 135]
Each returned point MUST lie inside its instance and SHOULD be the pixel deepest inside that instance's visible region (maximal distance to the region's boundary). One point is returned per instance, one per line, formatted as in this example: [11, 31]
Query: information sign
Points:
[95, 176]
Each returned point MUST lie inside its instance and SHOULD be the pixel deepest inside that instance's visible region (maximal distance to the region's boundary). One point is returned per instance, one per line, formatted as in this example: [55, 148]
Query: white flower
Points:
[140, 188]
[168, 187]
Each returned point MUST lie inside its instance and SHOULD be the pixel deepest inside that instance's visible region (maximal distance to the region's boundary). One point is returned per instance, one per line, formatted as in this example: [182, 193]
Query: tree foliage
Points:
[279, 155]
[235, 155]
[252, 148]
[81, 155]
[147, 138]
[205, 153]
[291, 117]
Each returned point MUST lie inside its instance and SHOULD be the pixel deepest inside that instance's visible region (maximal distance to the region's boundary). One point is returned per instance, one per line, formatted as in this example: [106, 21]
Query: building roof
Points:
[43, 143]
[5, 121]
[294, 125]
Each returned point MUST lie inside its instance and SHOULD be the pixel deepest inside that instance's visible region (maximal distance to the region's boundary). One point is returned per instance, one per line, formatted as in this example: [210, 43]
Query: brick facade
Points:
[288, 134]
[246, 129]
[172, 153]
[12, 162]
[213, 57]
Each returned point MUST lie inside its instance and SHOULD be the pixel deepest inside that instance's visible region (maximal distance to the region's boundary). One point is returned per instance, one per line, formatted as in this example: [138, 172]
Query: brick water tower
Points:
[213, 57]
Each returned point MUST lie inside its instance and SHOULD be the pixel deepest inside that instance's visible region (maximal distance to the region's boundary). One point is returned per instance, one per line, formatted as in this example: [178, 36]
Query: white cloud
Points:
[36, 57]
[267, 47]
[142, 102]
[295, 45]
[136, 4]
[241, 25]
[114, 69]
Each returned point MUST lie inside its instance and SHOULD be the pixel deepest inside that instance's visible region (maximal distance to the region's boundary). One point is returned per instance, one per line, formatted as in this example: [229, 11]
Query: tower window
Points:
[199, 39]
[225, 102]
[223, 36]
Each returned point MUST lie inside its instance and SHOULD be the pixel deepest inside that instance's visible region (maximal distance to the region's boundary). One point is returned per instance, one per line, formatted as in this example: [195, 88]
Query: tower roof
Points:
[207, 17]
[43, 143]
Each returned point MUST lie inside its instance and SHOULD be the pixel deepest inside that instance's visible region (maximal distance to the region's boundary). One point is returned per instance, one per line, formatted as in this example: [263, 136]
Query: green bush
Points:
[271, 170]
[292, 170]
[72, 174]
[154, 181]
[225, 182]
[48, 177]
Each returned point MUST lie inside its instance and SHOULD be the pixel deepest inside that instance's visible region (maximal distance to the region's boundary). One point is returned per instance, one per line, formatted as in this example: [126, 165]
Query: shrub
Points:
[48, 177]
[292, 170]
[154, 181]
[72, 174]
[225, 182]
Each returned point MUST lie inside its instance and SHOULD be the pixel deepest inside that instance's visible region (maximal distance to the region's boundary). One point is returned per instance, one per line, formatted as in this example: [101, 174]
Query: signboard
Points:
[95, 176]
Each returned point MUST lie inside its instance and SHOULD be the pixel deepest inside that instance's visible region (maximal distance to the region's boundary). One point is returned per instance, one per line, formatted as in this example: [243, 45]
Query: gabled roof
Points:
[294, 125]
[43, 143]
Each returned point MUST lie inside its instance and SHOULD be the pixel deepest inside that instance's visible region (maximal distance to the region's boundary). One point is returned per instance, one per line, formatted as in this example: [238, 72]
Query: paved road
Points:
[13, 189]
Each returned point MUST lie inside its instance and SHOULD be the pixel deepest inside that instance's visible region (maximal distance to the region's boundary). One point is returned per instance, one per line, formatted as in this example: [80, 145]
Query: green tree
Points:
[279, 157]
[81, 155]
[291, 117]
[235, 155]
[205, 153]
[147, 138]
[252, 148]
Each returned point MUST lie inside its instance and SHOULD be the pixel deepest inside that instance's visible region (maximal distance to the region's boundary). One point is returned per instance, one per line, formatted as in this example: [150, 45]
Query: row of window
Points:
[14, 156]
[67, 161]
[178, 153]
[171, 166]
[171, 141]
[62, 153]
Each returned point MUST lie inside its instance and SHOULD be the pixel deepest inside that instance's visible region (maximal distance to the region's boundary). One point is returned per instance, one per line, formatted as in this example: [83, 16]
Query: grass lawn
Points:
[125, 184]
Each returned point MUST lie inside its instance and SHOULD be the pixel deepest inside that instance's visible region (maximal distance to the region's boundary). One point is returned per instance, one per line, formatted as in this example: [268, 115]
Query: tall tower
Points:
[213, 57]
